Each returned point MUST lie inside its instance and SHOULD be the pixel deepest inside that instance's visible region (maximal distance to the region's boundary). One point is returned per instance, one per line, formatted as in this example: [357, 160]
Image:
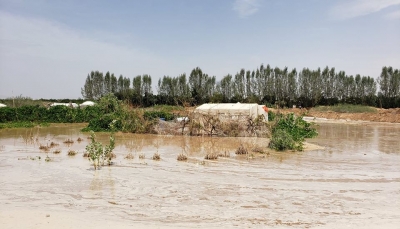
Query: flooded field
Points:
[351, 181]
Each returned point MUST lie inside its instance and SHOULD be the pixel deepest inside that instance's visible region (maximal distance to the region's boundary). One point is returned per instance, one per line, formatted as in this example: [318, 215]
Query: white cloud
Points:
[45, 59]
[246, 7]
[393, 15]
[355, 8]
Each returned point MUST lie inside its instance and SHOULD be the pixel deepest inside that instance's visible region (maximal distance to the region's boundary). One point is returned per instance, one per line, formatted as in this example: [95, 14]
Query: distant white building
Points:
[2, 105]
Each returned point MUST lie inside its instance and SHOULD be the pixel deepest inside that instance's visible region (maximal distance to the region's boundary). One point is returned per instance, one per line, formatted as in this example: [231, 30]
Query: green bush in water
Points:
[289, 132]
[149, 115]
[117, 116]
[281, 140]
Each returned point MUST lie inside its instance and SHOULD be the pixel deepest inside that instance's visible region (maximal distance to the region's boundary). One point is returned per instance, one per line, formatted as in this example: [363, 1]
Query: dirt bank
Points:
[382, 115]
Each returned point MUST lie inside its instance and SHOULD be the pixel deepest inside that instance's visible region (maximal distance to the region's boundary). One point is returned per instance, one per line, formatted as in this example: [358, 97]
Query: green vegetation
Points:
[55, 114]
[166, 108]
[289, 132]
[20, 100]
[151, 115]
[98, 154]
[21, 125]
[118, 116]
[109, 114]
[264, 85]
[347, 108]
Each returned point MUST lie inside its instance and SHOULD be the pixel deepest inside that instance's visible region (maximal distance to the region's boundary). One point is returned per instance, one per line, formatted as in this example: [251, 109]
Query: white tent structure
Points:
[232, 111]
[73, 105]
[231, 119]
[87, 104]
[2, 105]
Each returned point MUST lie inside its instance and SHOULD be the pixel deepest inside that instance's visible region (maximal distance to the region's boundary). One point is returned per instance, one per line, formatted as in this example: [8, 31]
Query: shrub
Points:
[289, 132]
[281, 140]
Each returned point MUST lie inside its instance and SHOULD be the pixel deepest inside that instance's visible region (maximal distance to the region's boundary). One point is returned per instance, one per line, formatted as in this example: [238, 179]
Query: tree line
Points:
[265, 85]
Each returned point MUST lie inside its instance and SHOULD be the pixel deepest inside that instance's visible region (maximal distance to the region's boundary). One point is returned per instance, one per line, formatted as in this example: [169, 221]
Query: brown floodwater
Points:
[351, 181]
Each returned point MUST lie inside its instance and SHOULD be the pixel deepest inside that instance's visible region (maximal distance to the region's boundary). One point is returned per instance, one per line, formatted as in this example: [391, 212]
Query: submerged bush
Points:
[289, 132]
[98, 154]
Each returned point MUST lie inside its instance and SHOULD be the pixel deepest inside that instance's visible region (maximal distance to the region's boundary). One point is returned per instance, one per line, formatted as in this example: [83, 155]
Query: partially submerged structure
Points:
[233, 111]
[231, 119]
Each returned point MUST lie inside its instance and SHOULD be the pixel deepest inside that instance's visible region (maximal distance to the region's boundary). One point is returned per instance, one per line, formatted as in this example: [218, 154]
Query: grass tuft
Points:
[211, 156]
[224, 154]
[57, 151]
[44, 148]
[69, 141]
[156, 157]
[241, 150]
[53, 144]
[71, 153]
[182, 157]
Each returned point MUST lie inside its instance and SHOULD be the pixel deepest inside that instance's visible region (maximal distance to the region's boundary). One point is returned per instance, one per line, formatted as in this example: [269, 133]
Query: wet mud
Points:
[352, 179]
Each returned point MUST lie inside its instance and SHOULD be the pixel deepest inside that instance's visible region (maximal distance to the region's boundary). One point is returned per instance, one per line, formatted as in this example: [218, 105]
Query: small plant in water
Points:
[129, 156]
[69, 141]
[44, 148]
[57, 151]
[241, 150]
[71, 153]
[156, 157]
[224, 154]
[142, 156]
[53, 144]
[79, 139]
[98, 154]
[47, 159]
[258, 150]
[211, 156]
[182, 157]
[86, 154]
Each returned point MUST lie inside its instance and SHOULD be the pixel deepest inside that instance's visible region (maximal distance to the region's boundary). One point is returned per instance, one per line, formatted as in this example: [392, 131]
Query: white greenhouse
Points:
[232, 111]
[87, 104]
[73, 105]
[231, 119]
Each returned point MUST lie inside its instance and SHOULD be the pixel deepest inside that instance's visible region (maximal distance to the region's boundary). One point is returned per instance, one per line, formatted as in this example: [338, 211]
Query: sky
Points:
[48, 47]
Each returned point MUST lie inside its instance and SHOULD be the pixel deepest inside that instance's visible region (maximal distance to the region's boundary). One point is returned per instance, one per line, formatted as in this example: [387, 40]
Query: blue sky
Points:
[47, 48]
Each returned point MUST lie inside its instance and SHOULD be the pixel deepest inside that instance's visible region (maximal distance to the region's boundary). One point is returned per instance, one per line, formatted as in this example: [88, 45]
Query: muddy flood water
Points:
[352, 180]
